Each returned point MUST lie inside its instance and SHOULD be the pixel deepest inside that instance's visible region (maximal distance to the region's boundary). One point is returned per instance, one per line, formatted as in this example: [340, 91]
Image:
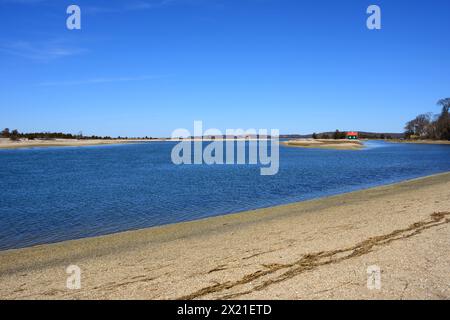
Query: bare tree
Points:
[420, 126]
[5, 133]
[443, 121]
[445, 103]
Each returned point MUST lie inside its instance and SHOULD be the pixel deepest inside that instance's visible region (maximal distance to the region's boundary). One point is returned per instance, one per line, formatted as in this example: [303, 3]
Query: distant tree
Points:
[339, 135]
[14, 135]
[336, 134]
[445, 103]
[314, 135]
[429, 126]
[5, 133]
[420, 126]
[409, 129]
[443, 121]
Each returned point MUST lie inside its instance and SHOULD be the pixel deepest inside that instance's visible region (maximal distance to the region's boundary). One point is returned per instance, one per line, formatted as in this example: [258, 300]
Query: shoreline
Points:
[12, 145]
[236, 214]
[206, 219]
[436, 142]
[329, 144]
[6, 144]
[232, 245]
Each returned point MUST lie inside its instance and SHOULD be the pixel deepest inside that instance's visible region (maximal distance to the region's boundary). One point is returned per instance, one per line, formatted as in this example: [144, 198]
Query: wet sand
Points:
[317, 249]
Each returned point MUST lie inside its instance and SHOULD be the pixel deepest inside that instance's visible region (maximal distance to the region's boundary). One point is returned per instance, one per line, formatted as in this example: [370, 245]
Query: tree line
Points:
[16, 135]
[429, 125]
[343, 135]
[335, 135]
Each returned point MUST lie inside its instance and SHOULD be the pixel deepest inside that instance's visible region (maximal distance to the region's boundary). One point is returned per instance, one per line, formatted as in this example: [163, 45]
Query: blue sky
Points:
[147, 67]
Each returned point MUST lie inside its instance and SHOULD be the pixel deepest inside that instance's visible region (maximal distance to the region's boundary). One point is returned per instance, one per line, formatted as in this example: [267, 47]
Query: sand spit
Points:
[325, 144]
[8, 144]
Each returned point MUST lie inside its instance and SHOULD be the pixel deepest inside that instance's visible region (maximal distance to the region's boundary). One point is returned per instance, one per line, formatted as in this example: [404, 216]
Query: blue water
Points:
[54, 194]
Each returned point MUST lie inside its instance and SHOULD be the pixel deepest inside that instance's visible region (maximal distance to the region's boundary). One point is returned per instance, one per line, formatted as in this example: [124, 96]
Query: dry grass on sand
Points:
[325, 144]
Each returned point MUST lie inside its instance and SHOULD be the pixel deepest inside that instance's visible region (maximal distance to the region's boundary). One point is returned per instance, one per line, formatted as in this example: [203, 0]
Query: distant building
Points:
[352, 135]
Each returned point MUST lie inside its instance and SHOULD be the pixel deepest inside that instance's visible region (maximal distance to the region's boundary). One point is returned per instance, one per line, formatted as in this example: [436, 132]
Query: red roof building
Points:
[352, 135]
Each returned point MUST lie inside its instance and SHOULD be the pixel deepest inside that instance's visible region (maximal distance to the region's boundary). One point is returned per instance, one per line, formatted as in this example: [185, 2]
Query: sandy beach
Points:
[9, 144]
[340, 144]
[317, 249]
[420, 141]
[24, 143]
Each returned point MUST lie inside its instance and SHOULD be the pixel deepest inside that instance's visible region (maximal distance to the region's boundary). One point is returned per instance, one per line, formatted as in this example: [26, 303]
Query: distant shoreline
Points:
[39, 143]
[9, 144]
[418, 141]
[341, 144]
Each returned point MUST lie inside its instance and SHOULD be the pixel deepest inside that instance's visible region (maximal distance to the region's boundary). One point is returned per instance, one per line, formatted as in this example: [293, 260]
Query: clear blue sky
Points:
[147, 67]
